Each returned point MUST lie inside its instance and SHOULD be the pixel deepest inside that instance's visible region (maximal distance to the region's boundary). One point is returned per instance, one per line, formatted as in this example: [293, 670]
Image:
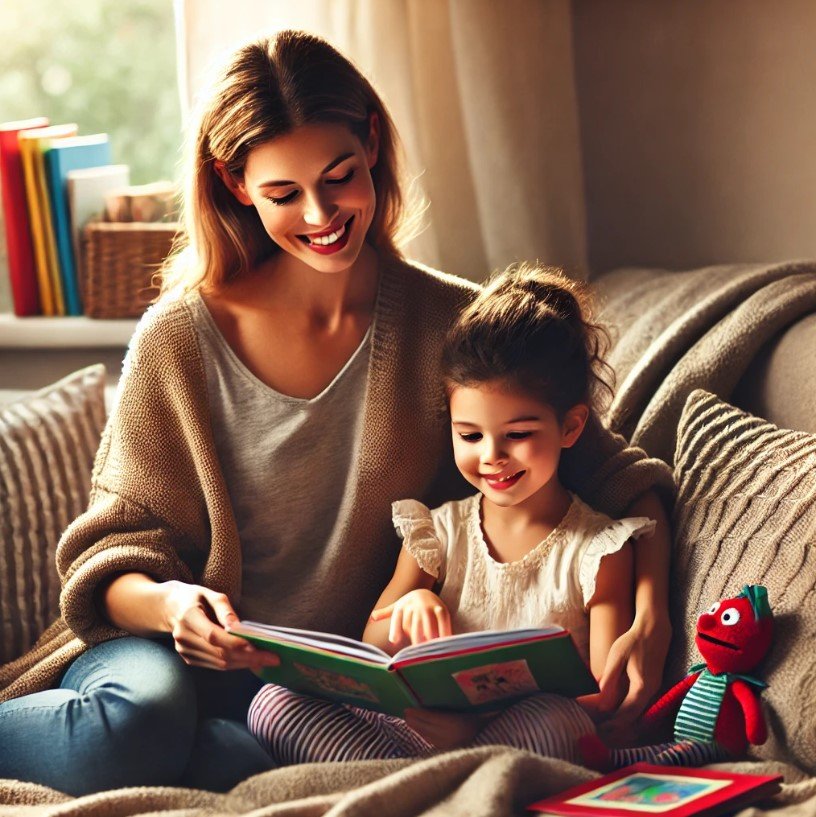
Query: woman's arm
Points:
[610, 608]
[641, 651]
[407, 611]
[195, 616]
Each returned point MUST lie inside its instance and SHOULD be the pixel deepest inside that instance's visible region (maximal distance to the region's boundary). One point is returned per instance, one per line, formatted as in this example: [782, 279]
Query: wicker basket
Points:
[119, 261]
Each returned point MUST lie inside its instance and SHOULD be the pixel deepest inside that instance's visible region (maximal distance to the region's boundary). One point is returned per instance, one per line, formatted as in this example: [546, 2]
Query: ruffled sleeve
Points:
[415, 526]
[610, 539]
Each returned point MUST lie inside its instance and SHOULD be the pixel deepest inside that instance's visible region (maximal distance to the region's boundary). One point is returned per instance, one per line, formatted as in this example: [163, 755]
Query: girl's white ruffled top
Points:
[552, 584]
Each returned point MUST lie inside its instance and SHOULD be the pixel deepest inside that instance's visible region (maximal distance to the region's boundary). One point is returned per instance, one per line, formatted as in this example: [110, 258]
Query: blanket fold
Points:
[677, 331]
[490, 781]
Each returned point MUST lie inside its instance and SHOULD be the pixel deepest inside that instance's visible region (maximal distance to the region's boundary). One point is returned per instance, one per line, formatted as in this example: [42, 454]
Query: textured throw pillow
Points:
[746, 514]
[47, 445]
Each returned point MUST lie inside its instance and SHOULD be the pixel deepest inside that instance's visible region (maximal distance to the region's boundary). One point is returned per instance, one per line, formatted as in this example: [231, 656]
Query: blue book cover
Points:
[64, 155]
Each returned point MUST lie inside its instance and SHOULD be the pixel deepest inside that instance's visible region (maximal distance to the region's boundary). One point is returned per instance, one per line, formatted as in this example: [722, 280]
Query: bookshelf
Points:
[37, 351]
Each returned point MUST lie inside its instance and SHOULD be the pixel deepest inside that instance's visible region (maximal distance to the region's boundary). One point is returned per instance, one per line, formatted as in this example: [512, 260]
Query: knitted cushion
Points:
[746, 514]
[47, 445]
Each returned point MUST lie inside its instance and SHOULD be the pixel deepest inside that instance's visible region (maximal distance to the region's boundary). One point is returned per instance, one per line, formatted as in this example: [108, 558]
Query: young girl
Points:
[523, 371]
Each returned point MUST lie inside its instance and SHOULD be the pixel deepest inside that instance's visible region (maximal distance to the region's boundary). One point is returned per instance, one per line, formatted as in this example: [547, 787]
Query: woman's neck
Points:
[285, 284]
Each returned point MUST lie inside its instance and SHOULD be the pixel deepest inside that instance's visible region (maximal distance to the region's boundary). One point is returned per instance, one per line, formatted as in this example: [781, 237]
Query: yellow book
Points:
[39, 208]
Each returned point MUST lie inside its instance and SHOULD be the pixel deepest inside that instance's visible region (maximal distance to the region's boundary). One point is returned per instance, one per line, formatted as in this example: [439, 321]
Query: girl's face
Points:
[507, 443]
[313, 191]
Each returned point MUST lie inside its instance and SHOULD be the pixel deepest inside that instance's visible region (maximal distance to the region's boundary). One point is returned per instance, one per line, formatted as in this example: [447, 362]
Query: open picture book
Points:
[468, 672]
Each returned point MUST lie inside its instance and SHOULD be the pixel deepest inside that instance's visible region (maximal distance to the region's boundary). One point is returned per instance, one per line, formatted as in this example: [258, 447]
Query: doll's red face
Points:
[730, 637]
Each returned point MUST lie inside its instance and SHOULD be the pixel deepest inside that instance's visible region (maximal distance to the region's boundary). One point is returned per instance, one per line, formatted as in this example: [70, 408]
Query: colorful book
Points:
[468, 672]
[60, 157]
[668, 791]
[39, 210]
[86, 199]
[25, 289]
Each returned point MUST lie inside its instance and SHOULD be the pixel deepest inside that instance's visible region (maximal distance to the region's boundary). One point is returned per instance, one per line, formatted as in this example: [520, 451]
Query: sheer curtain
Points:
[483, 94]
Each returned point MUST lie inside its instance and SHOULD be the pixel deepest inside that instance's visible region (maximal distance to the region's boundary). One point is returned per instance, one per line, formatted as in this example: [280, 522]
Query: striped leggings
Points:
[682, 753]
[296, 728]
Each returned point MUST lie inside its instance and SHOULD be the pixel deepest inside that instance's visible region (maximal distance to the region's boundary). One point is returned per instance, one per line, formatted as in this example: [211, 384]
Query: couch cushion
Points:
[48, 440]
[746, 514]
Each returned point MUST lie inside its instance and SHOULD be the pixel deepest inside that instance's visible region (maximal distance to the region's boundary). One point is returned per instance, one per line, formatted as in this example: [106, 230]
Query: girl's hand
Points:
[197, 618]
[416, 617]
[640, 652]
[444, 730]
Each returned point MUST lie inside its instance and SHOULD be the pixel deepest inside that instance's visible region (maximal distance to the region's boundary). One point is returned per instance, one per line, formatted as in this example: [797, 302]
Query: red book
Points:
[25, 291]
[669, 791]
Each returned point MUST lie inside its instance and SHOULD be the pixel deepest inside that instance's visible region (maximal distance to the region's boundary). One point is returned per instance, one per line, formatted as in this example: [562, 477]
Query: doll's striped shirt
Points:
[698, 713]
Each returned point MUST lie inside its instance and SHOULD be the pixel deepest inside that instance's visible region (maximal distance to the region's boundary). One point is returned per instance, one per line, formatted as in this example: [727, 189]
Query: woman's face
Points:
[313, 191]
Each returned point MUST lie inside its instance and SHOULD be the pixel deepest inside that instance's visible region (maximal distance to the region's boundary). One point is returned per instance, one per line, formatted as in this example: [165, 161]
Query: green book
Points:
[469, 672]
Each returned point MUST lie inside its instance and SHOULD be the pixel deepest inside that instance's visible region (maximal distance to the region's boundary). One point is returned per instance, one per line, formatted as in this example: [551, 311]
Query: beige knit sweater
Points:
[159, 504]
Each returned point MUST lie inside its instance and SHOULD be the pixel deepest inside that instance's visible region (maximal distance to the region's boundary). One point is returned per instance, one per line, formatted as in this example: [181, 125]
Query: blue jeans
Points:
[130, 712]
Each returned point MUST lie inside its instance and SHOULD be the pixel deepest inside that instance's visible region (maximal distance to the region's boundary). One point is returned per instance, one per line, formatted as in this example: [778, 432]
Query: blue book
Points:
[62, 156]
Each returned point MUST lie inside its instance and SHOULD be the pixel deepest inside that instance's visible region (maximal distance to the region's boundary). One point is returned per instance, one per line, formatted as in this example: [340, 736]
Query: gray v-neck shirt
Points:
[288, 463]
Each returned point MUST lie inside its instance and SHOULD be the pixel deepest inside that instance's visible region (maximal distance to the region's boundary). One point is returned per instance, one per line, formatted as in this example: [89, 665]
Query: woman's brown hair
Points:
[267, 89]
[533, 327]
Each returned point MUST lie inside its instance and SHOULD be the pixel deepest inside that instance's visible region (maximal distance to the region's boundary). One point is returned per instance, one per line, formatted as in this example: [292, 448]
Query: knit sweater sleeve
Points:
[158, 504]
[608, 474]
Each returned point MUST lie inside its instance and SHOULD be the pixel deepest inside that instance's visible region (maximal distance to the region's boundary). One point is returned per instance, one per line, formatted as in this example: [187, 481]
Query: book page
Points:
[329, 642]
[472, 641]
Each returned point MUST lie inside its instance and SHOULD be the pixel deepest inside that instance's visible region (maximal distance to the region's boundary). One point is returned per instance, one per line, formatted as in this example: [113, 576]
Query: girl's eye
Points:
[471, 437]
[280, 200]
[518, 435]
[344, 180]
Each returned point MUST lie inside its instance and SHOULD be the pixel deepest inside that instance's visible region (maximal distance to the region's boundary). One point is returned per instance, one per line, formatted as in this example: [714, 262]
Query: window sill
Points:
[64, 333]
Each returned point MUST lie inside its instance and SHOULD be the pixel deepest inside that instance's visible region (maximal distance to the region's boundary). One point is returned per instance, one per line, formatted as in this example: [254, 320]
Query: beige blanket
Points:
[484, 782]
[679, 331]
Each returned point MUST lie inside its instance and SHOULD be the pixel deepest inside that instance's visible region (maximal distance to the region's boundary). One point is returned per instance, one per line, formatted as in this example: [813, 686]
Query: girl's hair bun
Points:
[535, 326]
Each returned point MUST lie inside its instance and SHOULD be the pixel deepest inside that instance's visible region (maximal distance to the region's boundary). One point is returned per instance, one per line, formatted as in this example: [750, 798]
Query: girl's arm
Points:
[610, 608]
[407, 610]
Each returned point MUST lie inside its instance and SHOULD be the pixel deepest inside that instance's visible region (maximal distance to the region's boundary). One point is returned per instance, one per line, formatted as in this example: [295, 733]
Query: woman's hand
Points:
[639, 655]
[197, 618]
[415, 617]
[444, 730]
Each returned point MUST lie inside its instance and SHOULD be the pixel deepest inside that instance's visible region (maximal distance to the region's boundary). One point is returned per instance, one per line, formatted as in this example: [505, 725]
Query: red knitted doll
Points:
[719, 710]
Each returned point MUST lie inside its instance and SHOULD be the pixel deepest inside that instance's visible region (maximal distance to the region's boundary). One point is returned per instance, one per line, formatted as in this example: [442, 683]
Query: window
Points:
[108, 65]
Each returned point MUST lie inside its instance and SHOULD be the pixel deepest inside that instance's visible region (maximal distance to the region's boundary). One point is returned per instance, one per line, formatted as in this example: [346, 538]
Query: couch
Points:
[712, 365]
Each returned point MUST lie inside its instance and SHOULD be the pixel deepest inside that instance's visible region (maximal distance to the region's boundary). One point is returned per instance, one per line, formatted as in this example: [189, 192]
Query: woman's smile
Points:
[329, 241]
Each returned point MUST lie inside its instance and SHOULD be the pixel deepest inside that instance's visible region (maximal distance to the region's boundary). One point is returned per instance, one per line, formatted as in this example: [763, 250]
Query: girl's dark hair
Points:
[532, 326]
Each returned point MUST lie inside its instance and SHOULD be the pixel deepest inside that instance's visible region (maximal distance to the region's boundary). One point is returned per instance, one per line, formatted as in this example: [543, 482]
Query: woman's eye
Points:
[280, 200]
[471, 437]
[519, 435]
[345, 179]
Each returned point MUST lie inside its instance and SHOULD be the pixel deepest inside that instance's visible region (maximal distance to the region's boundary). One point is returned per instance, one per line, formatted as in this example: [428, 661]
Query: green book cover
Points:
[468, 672]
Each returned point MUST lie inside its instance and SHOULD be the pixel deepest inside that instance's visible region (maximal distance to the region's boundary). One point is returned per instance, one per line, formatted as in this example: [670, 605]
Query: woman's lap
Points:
[126, 713]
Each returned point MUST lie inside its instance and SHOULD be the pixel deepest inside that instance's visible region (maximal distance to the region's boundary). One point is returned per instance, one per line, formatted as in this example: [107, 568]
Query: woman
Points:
[282, 393]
